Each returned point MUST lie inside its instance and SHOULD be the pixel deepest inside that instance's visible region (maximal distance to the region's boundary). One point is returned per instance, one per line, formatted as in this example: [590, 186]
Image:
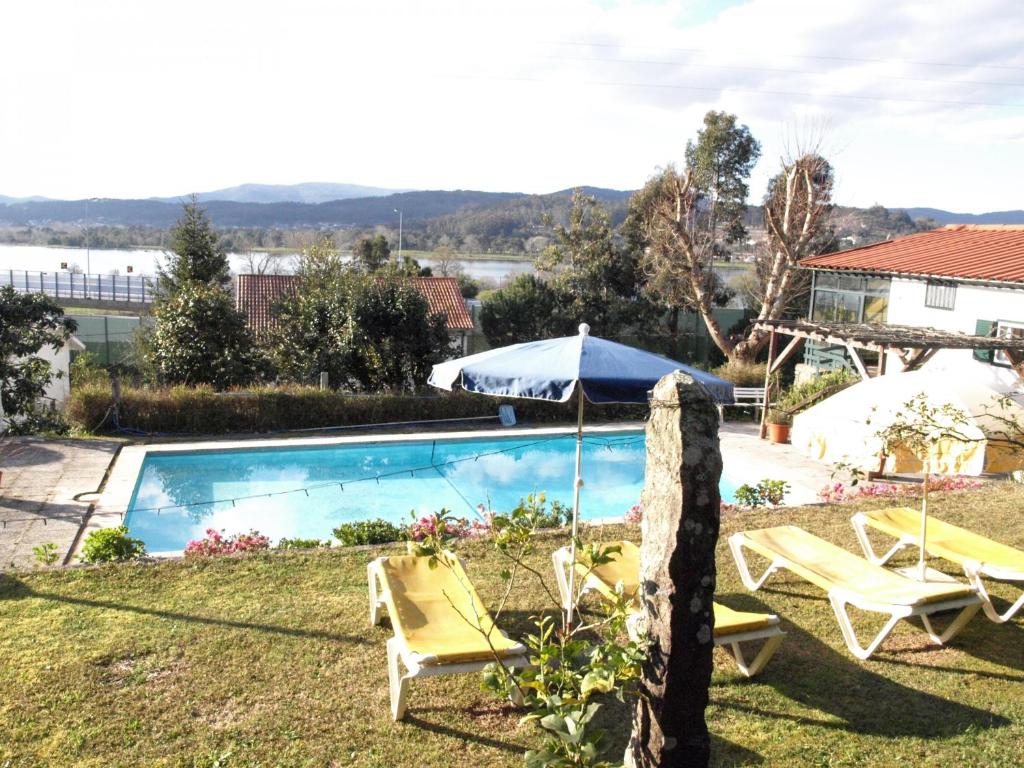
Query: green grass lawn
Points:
[269, 660]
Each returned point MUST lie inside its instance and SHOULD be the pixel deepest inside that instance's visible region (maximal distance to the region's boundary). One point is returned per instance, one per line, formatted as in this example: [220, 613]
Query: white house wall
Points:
[972, 303]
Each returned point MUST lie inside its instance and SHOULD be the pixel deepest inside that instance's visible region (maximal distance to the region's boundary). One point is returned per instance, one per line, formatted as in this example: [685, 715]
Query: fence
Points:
[137, 289]
[110, 337]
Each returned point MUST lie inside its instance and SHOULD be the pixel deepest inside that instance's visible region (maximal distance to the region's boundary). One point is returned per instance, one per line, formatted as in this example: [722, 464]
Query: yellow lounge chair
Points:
[978, 556]
[437, 618]
[852, 580]
[732, 628]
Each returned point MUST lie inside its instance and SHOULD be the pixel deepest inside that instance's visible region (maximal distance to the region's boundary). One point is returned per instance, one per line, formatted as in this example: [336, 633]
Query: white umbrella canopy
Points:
[845, 427]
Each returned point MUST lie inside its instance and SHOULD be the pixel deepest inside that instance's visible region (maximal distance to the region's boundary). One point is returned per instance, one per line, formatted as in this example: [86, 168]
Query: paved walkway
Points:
[40, 480]
[747, 459]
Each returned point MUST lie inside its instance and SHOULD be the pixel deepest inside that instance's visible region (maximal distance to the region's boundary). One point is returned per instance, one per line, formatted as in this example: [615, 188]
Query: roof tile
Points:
[256, 295]
[958, 251]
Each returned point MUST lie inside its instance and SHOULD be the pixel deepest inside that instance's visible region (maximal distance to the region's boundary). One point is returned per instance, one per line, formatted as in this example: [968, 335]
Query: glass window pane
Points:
[878, 286]
[826, 280]
[876, 309]
[824, 306]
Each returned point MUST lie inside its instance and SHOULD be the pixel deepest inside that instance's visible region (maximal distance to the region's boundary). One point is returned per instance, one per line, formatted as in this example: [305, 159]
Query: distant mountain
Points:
[355, 212]
[601, 193]
[948, 217]
[308, 192]
[4, 200]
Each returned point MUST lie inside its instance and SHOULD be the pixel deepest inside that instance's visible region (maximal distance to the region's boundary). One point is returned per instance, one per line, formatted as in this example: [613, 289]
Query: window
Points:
[1006, 329]
[939, 295]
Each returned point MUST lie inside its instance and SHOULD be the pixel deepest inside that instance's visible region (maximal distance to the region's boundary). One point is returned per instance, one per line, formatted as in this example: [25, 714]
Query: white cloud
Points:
[125, 98]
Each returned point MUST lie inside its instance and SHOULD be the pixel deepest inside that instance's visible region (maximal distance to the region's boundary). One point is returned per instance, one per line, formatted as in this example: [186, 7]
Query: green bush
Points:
[764, 493]
[301, 544]
[86, 371]
[742, 374]
[368, 532]
[200, 410]
[795, 399]
[111, 545]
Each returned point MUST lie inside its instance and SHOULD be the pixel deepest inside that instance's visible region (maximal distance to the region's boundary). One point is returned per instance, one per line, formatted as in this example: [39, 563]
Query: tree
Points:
[372, 253]
[687, 219]
[28, 322]
[526, 309]
[600, 279]
[366, 332]
[195, 253]
[200, 338]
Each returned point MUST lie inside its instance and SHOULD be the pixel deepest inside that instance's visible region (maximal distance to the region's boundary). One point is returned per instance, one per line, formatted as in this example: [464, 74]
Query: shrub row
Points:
[200, 410]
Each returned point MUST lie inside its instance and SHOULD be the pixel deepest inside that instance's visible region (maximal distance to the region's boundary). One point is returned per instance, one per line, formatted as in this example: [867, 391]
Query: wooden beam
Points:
[857, 362]
[792, 348]
[880, 370]
[919, 358]
[1016, 358]
[768, 384]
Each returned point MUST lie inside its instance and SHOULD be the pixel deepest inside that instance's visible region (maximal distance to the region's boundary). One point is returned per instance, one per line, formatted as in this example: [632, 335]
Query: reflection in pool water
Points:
[180, 495]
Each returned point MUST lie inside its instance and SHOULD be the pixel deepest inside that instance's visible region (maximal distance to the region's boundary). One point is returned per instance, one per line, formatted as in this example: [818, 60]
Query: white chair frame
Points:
[975, 571]
[772, 634]
[841, 600]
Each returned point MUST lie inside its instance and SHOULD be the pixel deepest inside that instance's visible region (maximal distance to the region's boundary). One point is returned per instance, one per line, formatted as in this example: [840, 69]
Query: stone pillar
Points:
[681, 516]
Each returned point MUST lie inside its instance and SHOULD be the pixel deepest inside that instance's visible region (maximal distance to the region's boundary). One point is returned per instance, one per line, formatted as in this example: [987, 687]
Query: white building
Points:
[964, 278]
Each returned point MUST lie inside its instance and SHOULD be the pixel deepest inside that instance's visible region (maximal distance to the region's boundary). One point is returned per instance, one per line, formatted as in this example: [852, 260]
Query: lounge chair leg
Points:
[974, 576]
[768, 650]
[860, 527]
[376, 607]
[736, 545]
[398, 683]
[850, 636]
[951, 631]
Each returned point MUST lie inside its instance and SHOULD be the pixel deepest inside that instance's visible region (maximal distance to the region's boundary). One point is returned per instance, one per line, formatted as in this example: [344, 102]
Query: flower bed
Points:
[837, 493]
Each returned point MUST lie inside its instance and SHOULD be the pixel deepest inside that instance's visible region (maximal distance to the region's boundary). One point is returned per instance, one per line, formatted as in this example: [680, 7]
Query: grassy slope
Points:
[269, 660]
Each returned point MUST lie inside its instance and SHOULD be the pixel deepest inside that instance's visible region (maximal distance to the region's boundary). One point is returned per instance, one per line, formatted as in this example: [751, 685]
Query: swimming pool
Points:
[306, 491]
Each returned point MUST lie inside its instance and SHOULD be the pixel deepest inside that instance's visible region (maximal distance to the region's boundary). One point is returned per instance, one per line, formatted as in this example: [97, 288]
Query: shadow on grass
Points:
[816, 676]
[446, 730]
[14, 589]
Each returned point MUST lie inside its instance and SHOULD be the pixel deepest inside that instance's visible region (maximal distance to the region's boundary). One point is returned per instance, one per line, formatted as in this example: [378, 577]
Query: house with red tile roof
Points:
[962, 277]
[255, 295]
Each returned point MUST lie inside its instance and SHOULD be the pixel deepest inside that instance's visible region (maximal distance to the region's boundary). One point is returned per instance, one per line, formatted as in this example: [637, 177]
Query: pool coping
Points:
[112, 506]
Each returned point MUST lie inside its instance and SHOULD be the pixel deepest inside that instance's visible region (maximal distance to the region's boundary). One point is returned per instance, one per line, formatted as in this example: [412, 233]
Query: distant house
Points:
[966, 278]
[256, 295]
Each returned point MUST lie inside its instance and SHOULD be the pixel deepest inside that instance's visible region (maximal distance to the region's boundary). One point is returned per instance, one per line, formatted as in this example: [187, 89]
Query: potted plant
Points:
[779, 421]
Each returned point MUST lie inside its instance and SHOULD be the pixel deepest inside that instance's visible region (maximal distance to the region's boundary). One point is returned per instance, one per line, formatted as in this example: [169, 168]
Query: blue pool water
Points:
[314, 488]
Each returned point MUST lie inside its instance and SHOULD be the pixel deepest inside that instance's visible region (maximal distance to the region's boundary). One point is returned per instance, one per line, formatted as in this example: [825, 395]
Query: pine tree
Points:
[196, 255]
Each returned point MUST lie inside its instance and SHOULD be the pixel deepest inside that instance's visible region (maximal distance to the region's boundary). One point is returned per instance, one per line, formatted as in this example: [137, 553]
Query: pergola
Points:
[913, 346]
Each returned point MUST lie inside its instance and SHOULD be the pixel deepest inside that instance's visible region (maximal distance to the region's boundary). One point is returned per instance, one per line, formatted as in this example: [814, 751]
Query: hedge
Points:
[202, 411]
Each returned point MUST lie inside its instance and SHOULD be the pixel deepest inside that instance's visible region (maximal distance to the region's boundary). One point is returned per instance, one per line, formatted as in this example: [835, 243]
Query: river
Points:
[142, 261]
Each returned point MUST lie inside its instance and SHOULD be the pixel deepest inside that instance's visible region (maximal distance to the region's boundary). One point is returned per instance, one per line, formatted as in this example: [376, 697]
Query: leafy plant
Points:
[86, 371]
[801, 396]
[375, 531]
[766, 492]
[46, 554]
[286, 543]
[572, 664]
[216, 543]
[111, 545]
[779, 416]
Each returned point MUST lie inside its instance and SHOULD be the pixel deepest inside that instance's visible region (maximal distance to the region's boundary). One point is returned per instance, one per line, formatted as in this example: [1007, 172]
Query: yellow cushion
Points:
[730, 622]
[437, 613]
[946, 540]
[626, 568]
[830, 567]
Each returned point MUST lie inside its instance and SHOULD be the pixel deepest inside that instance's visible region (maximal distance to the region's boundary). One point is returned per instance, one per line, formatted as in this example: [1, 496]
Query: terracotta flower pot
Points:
[778, 433]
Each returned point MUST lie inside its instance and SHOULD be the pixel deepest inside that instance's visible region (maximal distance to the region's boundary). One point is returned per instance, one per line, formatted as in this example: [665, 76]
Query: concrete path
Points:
[40, 480]
[747, 459]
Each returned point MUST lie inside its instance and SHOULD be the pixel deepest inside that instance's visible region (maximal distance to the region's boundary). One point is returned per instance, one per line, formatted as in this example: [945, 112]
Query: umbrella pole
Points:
[577, 484]
[921, 565]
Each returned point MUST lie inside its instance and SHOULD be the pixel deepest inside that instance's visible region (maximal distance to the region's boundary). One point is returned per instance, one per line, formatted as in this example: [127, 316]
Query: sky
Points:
[914, 103]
